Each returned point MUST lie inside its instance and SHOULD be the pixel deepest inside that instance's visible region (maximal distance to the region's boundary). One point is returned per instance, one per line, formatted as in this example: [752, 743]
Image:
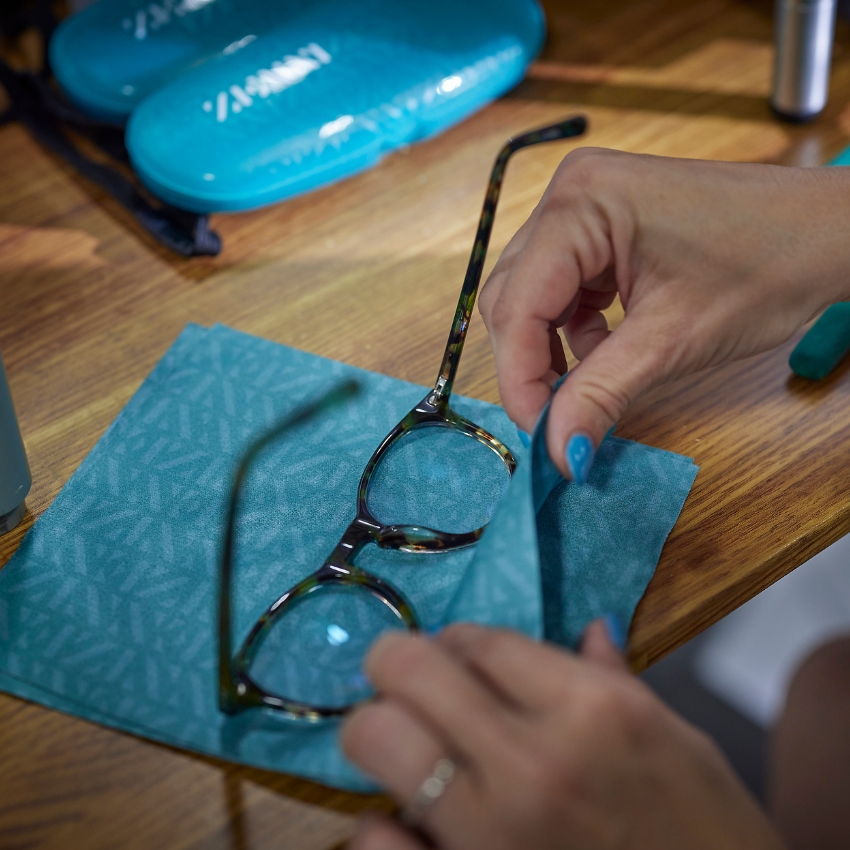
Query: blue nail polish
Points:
[579, 457]
[556, 386]
[524, 438]
[616, 630]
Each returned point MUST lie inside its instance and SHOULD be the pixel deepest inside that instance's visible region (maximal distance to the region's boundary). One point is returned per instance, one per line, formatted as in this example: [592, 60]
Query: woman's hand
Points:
[552, 750]
[712, 261]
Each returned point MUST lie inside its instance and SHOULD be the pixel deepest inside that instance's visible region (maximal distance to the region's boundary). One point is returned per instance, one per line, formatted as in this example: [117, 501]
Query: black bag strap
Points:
[40, 109]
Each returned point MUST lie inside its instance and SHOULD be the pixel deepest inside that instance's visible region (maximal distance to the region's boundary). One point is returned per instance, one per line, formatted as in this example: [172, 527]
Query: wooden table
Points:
[368, 272]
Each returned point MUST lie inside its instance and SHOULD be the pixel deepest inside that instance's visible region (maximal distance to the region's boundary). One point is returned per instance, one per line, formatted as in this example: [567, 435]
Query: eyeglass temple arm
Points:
[332, 397]
[562, 130]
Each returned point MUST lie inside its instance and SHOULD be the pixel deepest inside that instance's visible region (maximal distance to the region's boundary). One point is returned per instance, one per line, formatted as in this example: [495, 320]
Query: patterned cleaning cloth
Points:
[108, 610]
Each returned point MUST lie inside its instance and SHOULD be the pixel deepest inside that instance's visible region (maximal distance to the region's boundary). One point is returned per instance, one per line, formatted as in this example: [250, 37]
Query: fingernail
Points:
[524, 438]
[560, 381]
[579, 457]
[616, 630]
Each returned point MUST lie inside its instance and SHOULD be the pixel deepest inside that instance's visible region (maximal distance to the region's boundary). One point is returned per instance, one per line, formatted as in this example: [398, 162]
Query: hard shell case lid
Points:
[297, 96]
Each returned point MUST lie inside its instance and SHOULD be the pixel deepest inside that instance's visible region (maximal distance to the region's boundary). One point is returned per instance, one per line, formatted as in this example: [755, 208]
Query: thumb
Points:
[629, 361]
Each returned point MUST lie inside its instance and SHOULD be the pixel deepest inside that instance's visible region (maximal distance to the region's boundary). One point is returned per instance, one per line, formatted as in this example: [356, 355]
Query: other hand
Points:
[552, 750]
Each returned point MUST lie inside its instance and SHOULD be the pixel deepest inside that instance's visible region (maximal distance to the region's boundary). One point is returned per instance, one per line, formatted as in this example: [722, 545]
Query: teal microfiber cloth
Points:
[108, 610]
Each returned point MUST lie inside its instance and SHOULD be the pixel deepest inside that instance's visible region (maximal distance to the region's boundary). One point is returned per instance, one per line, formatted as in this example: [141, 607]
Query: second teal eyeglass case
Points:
[235, 106]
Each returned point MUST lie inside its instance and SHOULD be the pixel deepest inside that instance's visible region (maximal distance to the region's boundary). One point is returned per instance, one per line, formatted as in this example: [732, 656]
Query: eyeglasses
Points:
[238, 689]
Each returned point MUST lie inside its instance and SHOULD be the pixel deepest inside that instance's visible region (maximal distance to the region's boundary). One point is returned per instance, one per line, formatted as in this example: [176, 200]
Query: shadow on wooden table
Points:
[816, 391]
[630, 97]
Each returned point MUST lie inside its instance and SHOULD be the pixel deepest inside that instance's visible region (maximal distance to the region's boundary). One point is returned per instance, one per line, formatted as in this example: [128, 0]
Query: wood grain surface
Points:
[368, 272]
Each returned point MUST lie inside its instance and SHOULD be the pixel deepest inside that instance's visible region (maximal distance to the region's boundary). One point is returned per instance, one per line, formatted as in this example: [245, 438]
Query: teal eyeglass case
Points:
[116, 52]
[235, 106]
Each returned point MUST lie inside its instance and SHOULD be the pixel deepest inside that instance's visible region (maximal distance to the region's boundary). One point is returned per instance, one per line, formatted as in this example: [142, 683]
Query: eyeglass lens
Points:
[440, 478]
[315, 653]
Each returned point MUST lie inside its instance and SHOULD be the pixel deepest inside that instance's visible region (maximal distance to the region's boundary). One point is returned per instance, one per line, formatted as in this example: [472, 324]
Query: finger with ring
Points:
[429, 792]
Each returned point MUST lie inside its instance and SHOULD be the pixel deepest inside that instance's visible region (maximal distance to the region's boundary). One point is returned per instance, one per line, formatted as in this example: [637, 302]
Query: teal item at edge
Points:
[843, 158]
[239, 105]
[109, 606]
[824, 344]
[828, 340]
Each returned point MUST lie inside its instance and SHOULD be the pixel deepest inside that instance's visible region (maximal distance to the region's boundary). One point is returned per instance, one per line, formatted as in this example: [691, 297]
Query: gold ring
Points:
[429, 792]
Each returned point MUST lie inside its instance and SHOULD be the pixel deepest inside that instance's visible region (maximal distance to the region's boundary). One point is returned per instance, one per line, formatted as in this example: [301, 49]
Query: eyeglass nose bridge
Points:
[363, 528]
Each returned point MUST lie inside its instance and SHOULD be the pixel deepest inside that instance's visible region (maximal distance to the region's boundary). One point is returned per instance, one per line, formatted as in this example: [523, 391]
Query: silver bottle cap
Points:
[804, 33]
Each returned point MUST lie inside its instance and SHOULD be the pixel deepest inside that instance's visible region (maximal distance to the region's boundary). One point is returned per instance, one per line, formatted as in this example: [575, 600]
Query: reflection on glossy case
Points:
[238, 105]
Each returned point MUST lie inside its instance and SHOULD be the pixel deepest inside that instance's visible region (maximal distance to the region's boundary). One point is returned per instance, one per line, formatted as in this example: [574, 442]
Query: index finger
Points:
[525, 673]
[564, 247]
[468, 716]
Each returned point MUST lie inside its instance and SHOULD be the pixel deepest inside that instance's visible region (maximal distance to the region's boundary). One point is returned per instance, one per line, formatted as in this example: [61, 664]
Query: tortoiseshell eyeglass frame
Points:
[237, 690]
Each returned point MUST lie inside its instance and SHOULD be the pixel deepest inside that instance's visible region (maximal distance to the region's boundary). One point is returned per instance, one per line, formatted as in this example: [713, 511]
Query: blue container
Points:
[249, 106]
